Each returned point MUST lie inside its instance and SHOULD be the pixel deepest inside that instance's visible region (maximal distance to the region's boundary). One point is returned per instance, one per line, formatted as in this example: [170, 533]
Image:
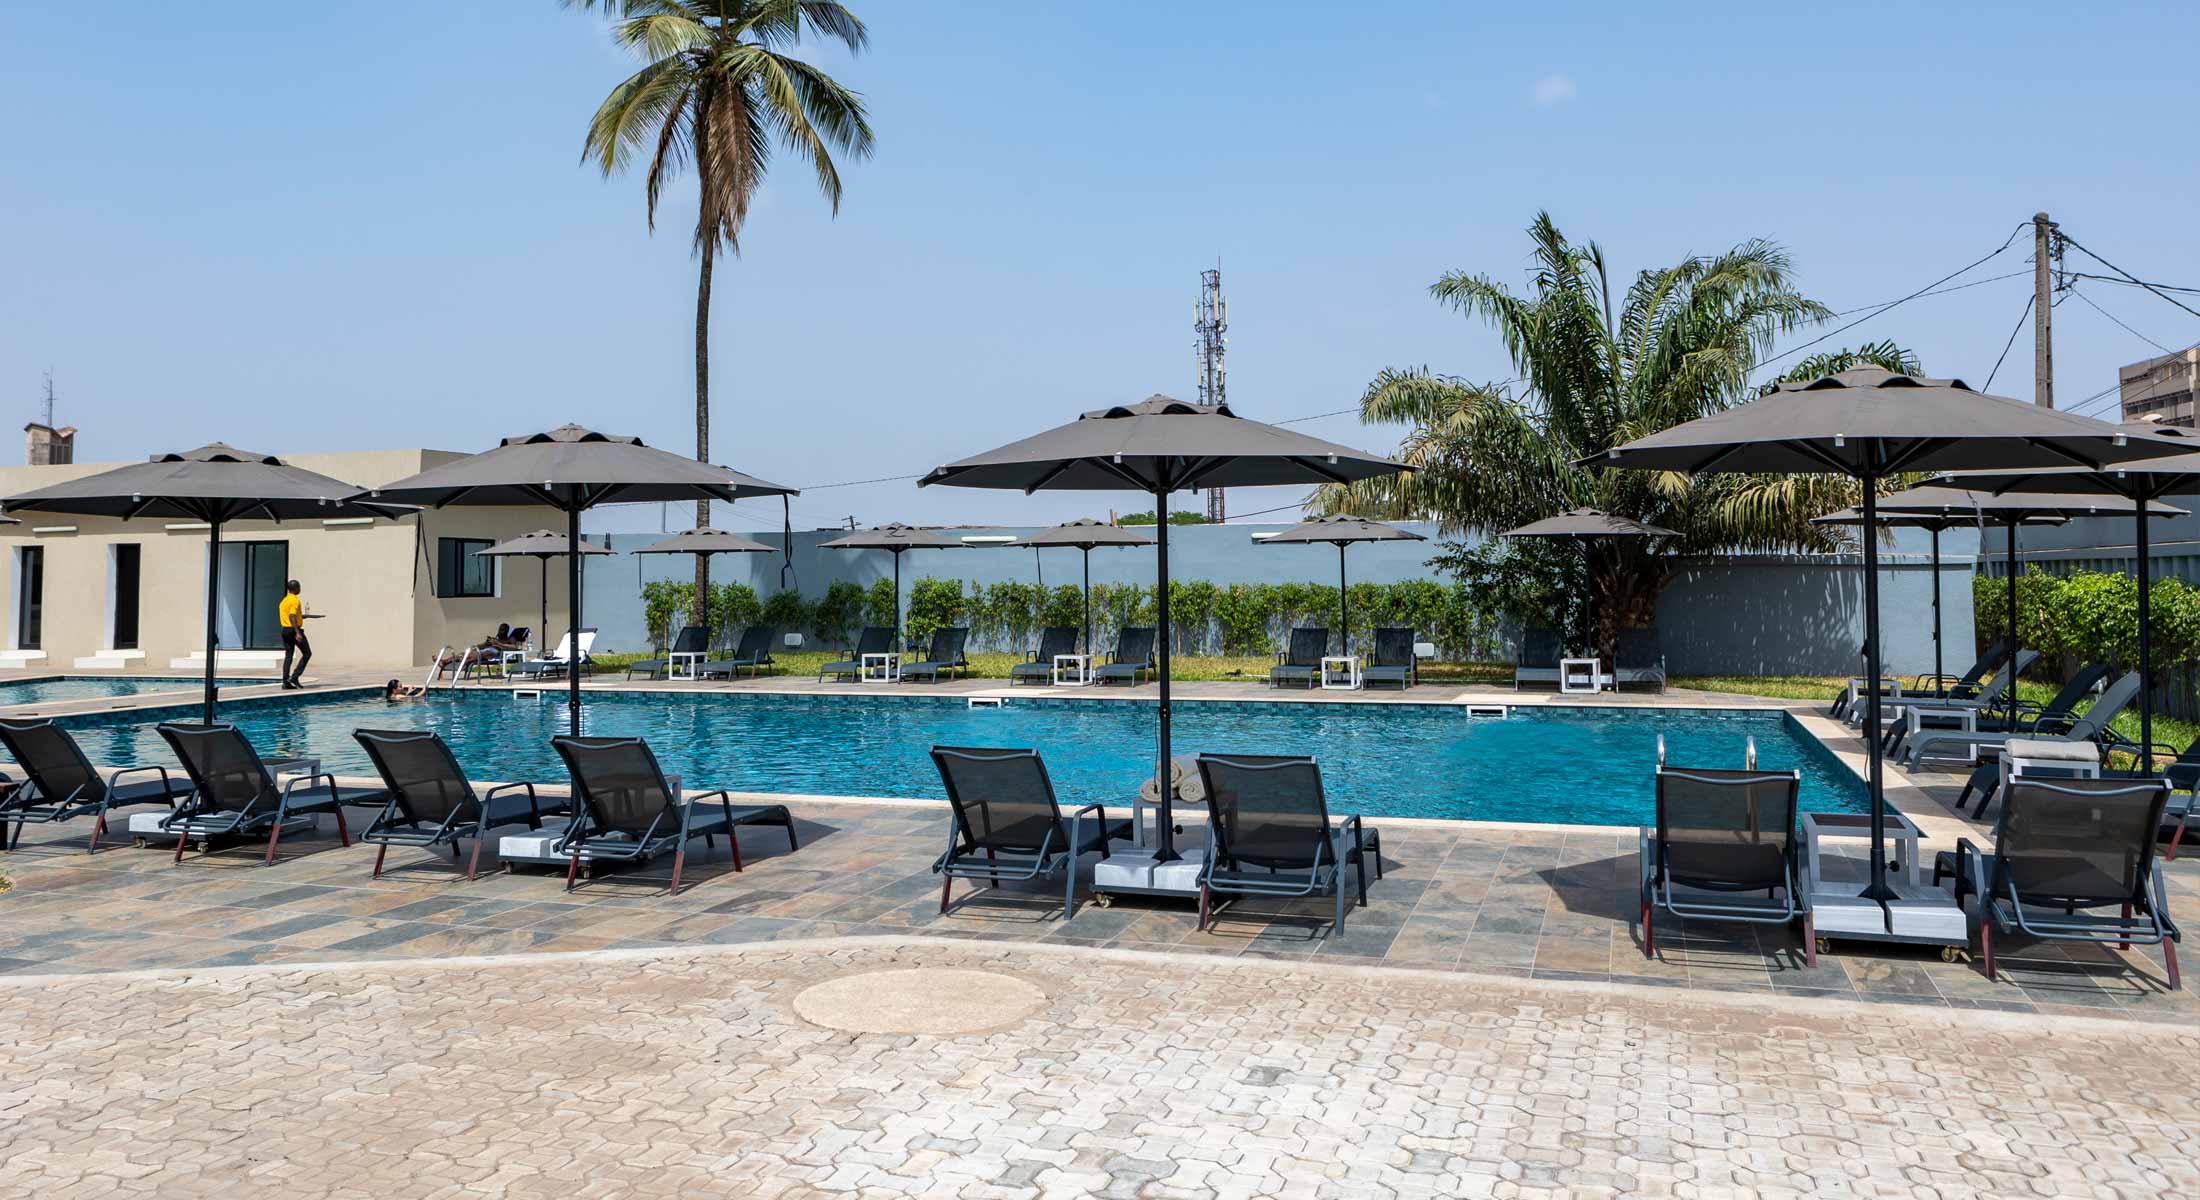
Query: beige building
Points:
[93, 593]
[2161, 388]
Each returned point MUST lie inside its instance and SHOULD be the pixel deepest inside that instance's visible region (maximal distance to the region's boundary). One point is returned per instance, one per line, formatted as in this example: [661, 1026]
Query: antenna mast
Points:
[1211, 319]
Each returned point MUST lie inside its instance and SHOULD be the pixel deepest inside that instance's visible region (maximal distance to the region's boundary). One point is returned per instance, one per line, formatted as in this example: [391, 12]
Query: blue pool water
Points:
[1576, 766]
[57, 688]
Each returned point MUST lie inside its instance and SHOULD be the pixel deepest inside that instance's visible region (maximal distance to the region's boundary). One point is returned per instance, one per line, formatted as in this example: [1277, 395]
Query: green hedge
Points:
[2088, 616]
[1207, 618]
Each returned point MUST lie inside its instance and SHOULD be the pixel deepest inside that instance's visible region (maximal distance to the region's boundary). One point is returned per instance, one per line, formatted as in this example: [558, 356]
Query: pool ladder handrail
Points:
[1749, 752]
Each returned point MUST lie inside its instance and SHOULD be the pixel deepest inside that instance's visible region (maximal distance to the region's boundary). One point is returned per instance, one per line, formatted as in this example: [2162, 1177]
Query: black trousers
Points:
[294, 642]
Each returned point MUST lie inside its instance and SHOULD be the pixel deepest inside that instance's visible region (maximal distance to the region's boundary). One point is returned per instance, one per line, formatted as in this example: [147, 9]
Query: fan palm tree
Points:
[717, 94]
[1597, 369]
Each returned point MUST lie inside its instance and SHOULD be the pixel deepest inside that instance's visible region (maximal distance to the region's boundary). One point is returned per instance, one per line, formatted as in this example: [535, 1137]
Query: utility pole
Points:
[1210, 320]
[2046, 251]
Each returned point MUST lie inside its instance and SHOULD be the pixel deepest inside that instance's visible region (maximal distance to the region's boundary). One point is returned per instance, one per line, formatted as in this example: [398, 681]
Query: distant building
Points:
[2161, 389]
[45, 446]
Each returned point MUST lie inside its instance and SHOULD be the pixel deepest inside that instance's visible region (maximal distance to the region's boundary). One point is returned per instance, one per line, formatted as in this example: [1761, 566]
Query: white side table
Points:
[1964, 717]
[879, 668]
[1072, 670]
[1902, 839]
[682, 664]
[1579, 676]
[1341, 673]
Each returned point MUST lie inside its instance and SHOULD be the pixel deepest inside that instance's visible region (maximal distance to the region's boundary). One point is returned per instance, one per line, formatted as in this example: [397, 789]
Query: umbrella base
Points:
[1130, 870]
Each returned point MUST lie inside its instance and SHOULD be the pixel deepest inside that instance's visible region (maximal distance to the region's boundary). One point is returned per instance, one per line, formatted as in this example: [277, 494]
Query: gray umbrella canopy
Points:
[1084, 534]
[2140, 483]
[1341, 531]
[542, 545]
[216, 483]
[1588, 523]
[573, 469]
[1869, 423]
[706, 542]
[897, 539]
[1158, 446]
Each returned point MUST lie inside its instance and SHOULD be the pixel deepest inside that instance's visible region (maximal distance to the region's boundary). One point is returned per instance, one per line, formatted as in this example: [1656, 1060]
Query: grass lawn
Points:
[1189, 668]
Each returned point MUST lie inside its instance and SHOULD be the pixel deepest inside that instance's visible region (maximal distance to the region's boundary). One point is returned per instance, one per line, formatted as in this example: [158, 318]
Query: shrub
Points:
[2091, 616]
[835, 614]
[785, 612]
[934, 604]
[878, 604]
[733, 608]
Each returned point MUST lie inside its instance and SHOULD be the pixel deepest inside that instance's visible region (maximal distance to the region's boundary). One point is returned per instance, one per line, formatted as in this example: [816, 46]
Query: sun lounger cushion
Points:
[2051, 750]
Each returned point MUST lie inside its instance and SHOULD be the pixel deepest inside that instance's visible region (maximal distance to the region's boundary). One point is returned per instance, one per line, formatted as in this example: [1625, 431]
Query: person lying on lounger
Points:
[394, 692]
[501, 640]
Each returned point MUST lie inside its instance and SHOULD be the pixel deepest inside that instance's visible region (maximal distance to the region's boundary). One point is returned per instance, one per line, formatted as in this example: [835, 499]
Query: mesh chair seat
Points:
[944, 656]
[626, 811]
[1054, 640]
[1269, 812]
[875, 639]
[431, 802]
[1005, 824]
[1133, 655]
[1720, 834]
[236, 795]
[60, 784]
[1303, 660]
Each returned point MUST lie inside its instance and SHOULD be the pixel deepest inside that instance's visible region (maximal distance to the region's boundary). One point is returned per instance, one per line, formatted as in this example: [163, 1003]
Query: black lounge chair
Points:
[1303, 661]
[2065, 845]
[60, 784]
[236, 794]
[624, 810]
[1270, 834]
[432, 803]
[754, 652]
[1991, 698]
[692, 639]
[1724, 835]
[1958, 687]
[945, 655]
[1053, 640]
[1538, 658]
[1637, 658]
[2017, 717]
[1393, 660]
[875, 639]
[1133, 655]
[2088, 726]
[1005, 824]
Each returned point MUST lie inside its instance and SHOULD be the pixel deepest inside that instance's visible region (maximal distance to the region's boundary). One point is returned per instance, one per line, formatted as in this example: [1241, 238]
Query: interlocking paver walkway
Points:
[688, 1072]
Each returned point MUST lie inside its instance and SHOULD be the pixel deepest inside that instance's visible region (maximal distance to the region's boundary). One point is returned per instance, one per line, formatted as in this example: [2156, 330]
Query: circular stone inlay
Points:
[934, 1000]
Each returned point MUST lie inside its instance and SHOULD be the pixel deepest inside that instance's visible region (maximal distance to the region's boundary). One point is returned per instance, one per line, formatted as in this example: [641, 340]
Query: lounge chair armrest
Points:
[308, 782]
[114, 778]
[2160, 903]
[534, 807]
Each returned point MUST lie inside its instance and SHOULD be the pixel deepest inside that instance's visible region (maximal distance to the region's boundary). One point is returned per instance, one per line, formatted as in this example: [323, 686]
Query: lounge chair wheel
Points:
[138, 842]
[1103, 899]
[1825, 945]
[1949, 954]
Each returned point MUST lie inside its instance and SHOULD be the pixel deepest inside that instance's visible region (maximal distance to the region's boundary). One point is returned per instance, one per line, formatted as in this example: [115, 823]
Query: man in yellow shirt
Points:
[291, 616]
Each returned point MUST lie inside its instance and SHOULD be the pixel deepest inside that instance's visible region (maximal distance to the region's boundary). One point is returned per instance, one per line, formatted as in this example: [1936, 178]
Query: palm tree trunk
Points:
[700, 608]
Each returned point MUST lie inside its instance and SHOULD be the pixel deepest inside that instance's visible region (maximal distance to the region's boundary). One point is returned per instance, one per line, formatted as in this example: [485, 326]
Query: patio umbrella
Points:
[215, 484]
[705, 542]
[1341, 531]
[1083, 534]
[574, 469]
[2178, 474]
[896, 539]
[1938, 507]
[1158, 446]
[1585, 525]
[1869, 424]
[542, 545]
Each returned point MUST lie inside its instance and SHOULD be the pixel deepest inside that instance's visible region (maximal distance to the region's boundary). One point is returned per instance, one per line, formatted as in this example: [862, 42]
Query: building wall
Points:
[371, 584]
[1744, 614]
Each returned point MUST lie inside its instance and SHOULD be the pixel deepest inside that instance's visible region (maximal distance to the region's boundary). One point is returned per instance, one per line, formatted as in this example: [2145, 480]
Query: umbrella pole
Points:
[542, 631]
[2146, 678]
[1344, 607]
[2014, 644]
[1088, 600]
[1166, 850]
[1877, 889]
[897, 598]
[705, 604]
[1940, 682]
[213, 606]
[573, 605]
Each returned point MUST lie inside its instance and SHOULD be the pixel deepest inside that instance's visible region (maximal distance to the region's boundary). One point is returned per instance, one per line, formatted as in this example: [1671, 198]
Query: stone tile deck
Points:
[701, 1071]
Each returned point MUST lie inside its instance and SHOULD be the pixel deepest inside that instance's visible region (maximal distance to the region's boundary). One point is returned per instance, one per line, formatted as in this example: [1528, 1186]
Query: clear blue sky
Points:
[327, 227]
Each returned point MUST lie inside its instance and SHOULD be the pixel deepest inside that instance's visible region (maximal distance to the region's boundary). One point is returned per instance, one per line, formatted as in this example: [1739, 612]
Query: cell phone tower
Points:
[1211, 320]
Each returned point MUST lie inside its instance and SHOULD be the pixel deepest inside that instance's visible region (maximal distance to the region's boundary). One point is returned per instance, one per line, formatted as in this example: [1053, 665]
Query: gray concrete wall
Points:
[1745, 614]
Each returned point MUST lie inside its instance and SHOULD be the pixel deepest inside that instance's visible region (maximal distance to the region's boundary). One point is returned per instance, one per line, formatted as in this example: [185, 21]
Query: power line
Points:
[2134, 279]
[1936, 292]
[819, 487]
[1893, 304]
[2118, 279]
[2021, 318]
[2119, 321]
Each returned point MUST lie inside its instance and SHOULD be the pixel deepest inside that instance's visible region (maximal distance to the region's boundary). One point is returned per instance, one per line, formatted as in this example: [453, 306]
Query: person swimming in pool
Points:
[395, 692]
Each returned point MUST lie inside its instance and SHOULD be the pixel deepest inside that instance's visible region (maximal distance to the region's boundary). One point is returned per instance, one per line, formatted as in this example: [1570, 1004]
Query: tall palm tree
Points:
[717, 94]
[1681, 343]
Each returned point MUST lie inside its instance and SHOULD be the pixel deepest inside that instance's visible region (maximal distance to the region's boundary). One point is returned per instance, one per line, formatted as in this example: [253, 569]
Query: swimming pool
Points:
[1588, 766]
[56, 688]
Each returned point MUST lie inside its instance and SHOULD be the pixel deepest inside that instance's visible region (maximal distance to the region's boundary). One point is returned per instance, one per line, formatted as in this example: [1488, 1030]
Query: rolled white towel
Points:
[1184, 777]
[2051, 750]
